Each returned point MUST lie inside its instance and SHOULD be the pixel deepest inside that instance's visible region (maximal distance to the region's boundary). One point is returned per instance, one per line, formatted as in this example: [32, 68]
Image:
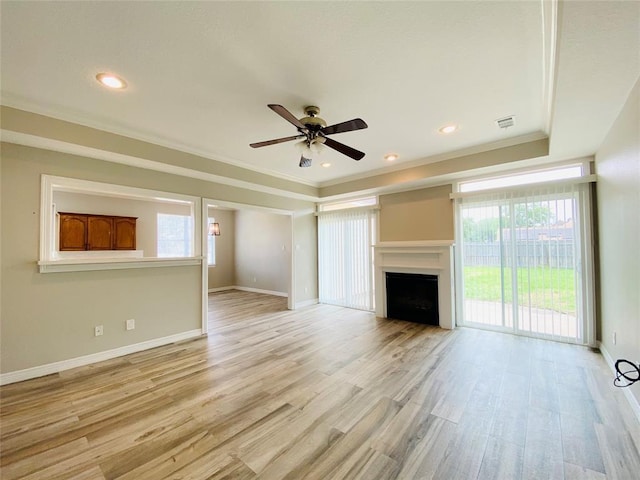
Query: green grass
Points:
[548, 288]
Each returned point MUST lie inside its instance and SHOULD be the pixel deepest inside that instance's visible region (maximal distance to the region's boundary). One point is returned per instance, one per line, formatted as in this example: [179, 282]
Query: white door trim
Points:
[210, 202]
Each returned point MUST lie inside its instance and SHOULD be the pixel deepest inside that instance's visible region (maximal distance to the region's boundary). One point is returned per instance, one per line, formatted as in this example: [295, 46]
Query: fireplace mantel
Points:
[427, 257]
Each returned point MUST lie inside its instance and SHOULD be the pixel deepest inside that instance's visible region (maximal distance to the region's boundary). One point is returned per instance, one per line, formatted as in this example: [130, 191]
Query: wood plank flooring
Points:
[324, 393]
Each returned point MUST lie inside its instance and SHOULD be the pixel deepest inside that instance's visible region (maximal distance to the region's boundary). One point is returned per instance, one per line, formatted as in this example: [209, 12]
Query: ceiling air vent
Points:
[506, 122]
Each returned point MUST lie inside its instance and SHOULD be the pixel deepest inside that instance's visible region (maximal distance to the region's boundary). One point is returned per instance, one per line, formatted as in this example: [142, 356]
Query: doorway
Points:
[248, 249]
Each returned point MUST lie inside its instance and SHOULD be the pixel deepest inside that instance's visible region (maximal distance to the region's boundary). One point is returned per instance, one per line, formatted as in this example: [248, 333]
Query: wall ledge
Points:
[81, 265]
[50, 368]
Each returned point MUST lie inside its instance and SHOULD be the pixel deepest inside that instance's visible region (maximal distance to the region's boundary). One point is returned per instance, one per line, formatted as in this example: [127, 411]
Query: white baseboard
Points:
[307, 303]
[220, 289]
[248, 289]
[259, 290]
[48, 369]
[633, 401]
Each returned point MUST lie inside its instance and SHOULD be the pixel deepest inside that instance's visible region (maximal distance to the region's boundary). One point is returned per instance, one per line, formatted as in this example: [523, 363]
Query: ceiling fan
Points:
[313, 131]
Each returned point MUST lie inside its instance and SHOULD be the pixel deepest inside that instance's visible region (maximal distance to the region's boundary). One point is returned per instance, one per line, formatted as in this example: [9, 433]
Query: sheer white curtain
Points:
[522, 254]
[345, 240]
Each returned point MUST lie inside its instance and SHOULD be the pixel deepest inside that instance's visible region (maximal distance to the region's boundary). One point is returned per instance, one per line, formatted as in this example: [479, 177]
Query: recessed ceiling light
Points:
[325, 164]
[391, 157]
[448, 129]
[111, 81]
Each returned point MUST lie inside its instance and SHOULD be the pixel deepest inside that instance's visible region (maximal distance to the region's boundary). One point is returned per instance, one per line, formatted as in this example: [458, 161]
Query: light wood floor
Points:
[325, 393]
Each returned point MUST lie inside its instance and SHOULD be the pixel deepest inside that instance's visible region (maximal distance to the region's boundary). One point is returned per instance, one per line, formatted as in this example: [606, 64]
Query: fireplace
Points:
[413, 297]
[431, 258]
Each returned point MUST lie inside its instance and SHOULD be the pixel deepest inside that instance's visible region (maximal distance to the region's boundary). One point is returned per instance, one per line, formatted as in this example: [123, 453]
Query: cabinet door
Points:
[99, 231]
[125, 233]
[73, 232]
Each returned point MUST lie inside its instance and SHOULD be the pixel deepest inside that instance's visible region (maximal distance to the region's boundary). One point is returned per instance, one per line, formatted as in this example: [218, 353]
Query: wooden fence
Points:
[532, 253]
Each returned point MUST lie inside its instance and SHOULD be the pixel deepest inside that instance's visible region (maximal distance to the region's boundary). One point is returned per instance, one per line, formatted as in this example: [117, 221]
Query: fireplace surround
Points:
[427, 258]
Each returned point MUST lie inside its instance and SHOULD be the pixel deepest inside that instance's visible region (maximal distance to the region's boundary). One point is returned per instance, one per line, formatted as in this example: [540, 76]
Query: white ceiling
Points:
[200, 74]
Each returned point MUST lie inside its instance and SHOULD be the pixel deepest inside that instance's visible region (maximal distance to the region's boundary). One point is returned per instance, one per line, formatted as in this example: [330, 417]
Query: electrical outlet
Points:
[255, 279]
[131, 324]
[615, 338]
[99, 330]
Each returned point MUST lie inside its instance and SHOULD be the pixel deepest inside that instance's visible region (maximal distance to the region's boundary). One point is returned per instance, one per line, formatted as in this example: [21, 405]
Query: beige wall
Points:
[263, 250]
[223, 273]
[446, 166]
[618, 203]
[425, 214]
[50, 317]
[306, 257]
[47, 318]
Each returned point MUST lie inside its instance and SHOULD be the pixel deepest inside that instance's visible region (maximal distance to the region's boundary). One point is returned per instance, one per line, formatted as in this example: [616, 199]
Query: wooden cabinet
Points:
[124, 233]
[96, 232]
[73, 232]
[99, 233]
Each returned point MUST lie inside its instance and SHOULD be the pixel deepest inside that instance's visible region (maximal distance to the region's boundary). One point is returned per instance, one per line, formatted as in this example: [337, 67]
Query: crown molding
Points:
[19, 103]
[74, 149]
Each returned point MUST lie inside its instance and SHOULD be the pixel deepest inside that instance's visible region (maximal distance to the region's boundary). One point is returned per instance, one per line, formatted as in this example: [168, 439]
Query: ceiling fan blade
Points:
[288, 116]
[355, 124]
[277, 140]
[344, 149]
[305, 162]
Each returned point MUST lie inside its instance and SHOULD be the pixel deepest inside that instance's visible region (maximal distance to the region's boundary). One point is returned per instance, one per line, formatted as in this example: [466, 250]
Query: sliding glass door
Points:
[345, 261]
[521, 255]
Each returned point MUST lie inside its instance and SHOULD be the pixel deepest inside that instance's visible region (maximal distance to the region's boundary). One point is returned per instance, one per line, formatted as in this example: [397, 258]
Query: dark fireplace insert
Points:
[413, 297]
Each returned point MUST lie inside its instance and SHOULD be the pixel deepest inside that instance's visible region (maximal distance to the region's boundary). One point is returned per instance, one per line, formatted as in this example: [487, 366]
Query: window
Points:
[561, 173]
[211, 244]
[175, 235]
[353, 203]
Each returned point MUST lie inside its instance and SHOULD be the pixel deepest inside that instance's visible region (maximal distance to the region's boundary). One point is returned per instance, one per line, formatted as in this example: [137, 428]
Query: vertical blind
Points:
[521, 256]
[345, 269]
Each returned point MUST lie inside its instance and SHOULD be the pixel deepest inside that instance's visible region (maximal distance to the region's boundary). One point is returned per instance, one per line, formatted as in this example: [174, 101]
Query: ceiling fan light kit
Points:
[304, 161]
[313, 131]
